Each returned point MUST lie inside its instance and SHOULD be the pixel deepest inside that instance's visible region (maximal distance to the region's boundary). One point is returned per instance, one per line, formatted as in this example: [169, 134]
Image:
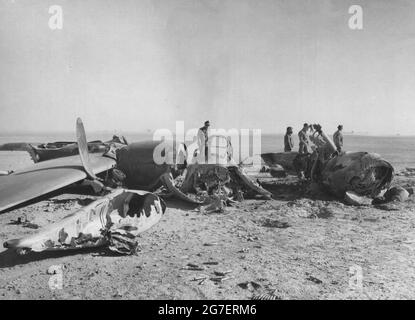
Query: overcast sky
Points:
[138, 65]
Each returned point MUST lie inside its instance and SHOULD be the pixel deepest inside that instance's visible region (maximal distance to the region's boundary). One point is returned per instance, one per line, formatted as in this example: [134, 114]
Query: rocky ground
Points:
[296, 246]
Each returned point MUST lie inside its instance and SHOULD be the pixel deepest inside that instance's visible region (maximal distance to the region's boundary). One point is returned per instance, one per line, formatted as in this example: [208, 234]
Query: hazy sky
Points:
[138, 65]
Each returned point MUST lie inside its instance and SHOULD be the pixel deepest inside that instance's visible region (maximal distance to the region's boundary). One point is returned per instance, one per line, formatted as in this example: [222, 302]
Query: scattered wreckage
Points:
[114, 220]
[193, 182]
[131, 165]
[121, 165]
[47, 151]
[348, 175]
[132, 184]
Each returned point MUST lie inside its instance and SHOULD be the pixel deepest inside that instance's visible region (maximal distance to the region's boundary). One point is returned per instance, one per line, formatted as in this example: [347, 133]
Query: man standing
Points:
[338, 138]
[203, 140]
[304, 139]
[288, 140]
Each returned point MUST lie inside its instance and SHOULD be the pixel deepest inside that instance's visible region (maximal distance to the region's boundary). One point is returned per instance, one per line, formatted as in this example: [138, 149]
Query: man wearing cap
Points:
[304, 139]
[288, 140]
[338, 138]
[203, 140]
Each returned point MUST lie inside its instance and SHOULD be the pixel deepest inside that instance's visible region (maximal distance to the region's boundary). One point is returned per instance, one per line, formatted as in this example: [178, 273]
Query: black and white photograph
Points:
[209, 150]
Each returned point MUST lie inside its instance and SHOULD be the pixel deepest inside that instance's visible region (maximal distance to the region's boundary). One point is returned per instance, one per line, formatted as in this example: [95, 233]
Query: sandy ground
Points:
[294, 247]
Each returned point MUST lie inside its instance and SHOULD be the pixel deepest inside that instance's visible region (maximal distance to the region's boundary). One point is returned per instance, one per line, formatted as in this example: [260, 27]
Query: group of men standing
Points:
[303, 136]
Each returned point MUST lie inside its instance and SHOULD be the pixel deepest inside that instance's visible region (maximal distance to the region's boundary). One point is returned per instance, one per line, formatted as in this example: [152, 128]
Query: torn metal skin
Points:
[194, 183]
[114, 220]
[141, 172]
[52, 150]
[207, 182]
[365, 174]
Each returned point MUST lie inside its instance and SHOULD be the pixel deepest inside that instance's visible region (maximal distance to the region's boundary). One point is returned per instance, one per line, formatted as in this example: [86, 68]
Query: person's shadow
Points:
[10, 257]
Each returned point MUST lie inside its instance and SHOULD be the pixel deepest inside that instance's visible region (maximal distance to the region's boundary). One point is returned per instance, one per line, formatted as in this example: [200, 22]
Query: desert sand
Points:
[300, 245]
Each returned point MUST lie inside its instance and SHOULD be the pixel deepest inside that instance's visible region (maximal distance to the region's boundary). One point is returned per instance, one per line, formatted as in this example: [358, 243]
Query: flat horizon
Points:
[111, 132]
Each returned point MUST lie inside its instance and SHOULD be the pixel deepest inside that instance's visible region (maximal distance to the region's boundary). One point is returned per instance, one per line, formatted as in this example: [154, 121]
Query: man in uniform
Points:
[203, 140]
[304, 145]
[338, 138]
[288, 140]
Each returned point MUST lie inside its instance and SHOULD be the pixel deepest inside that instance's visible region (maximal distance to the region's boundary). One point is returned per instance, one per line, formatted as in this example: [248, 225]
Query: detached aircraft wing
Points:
[47, 176]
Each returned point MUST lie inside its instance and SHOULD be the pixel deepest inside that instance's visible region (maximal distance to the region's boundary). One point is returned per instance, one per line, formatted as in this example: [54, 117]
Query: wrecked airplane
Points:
[123, 165]
[363, 173]
[135, 164]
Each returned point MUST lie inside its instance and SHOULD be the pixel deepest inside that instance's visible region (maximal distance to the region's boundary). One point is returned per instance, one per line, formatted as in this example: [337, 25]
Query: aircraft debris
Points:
[314, 279]
[265, 296]
[222, 273]
[24, 223]
[131, 166]
[114, 221]
[52, 150]
[365, 174]
[220, 279]
[250, 285]
[193, 267]
[201, 277]
[393, 194]
[209, 184]
[352, 198]
[407, 172]
[210, 244]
